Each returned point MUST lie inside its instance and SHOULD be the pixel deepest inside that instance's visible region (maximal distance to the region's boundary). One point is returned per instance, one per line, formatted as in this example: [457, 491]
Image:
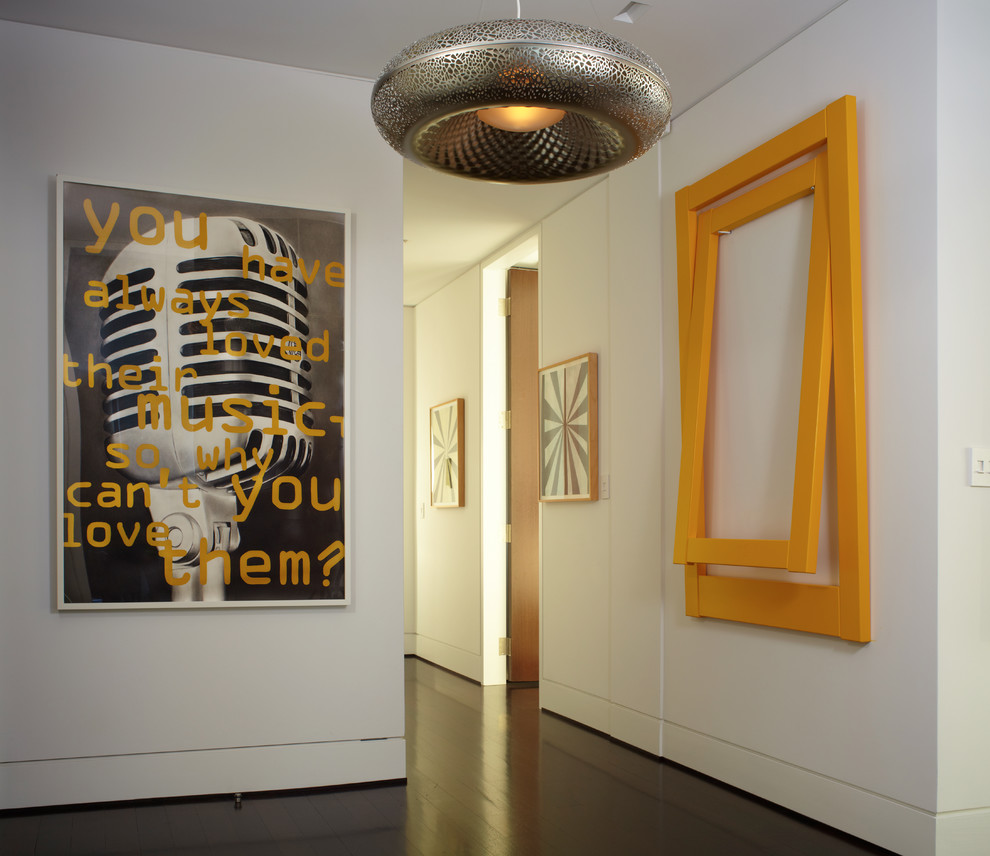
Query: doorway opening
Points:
[523, 570]
[497, 536]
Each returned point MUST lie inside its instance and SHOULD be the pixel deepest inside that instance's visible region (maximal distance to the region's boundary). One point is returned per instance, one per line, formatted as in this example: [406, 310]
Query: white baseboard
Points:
[67, 781]
[446, 656]
[905, 829]
[588, 709]
[963, 833]
[635, 728]
[630, 726]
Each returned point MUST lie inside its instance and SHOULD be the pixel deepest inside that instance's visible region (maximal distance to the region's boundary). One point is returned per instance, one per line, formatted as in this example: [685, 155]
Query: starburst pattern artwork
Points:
[569, 430]
[447, 454]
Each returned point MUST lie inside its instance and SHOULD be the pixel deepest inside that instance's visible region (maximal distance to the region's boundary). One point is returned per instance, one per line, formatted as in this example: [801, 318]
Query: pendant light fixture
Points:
[522, 101]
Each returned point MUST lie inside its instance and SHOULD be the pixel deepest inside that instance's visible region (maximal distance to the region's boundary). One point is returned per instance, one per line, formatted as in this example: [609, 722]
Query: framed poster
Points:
[201, 456]
[447, 454]
[569, 430]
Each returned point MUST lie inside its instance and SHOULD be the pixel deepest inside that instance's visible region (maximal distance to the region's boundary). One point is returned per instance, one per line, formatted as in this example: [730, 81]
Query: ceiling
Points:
[450, 223]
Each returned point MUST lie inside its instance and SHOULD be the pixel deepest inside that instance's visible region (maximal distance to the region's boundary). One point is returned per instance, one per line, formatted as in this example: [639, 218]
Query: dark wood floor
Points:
[488, 774]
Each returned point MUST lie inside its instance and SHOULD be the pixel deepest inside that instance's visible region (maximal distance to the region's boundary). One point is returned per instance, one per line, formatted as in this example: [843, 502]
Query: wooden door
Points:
[524, 487]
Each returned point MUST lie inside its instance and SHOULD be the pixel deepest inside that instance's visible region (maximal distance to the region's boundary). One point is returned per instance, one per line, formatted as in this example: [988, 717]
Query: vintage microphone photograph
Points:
[202, 380]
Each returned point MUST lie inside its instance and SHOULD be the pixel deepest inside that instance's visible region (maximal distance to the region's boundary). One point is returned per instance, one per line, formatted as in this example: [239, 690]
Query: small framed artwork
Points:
[569, 430]
[447, 454]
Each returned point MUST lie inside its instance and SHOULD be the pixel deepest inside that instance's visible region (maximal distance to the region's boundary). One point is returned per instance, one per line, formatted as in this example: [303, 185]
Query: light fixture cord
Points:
[598, 17]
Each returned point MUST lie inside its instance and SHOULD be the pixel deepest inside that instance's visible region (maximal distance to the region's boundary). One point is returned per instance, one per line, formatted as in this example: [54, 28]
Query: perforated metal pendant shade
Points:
[615, 97]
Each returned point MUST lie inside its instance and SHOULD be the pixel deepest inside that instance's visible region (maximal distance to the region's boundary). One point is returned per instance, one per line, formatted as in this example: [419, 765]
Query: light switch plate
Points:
[979, 466]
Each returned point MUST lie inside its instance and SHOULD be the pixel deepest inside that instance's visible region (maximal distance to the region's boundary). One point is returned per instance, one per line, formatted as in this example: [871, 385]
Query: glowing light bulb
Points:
[520, 119]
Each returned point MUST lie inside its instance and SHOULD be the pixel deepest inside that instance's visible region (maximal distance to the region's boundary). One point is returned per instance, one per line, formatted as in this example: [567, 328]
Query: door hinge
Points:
[505, 419]
[508, 533]
[505, 645]
[504, 307]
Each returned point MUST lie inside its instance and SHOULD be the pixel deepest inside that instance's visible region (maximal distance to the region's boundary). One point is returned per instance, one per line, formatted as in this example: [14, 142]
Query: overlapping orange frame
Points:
[825, 148]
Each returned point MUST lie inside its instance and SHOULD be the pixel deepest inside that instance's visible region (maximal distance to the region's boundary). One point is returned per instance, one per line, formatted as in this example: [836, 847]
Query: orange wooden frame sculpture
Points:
[824, 147]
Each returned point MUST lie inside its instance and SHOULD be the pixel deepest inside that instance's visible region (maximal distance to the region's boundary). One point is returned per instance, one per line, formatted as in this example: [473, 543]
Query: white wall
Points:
[574, 536]
[636, 466]
[844, 733]
[600, 291]
[409, 446]
[448, 540]
[964, 421]
[102, 706]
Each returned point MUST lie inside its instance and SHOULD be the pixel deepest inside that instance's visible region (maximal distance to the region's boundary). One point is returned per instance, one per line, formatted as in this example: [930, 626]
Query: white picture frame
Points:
[187, 306]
